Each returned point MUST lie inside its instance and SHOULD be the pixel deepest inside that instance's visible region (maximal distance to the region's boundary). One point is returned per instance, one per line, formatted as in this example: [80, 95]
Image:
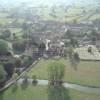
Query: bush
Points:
[6, 34]
[18, 63]
[19, 46]
[25, 81]
[27, 60]
[9, 68]
[4, 48]
[3, 75]
[76, 56]
[34, 82]
[90, 49]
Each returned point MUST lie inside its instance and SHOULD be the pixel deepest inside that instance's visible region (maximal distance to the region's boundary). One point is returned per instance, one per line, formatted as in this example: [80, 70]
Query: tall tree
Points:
[58, 93]
[56, 72]
[73, 42]
[68, 34]
[3, 75]
[19, 46]
[70, 52]
[3, 46]
[9, 68]
[42, 47]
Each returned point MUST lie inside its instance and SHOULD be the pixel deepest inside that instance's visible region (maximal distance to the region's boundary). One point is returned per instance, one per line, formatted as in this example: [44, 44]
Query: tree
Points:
[73, 57]
[9, 68]
[56, 73]
[74, 60]
[25, 79]
[25, 82]
[27, 30]
[14, 36]
[76, 56]
[14, 87]
[94, 36]
[18, 62]
[15, 75]
[75, 21]
[6, 33]
[34, 80]
[3, 75]
[90, 49]
[68, 34]
[19, 46]
[42, 47]
[27, 60]
[70, 52]
[3, 46]
[58, 93]
[74, 42]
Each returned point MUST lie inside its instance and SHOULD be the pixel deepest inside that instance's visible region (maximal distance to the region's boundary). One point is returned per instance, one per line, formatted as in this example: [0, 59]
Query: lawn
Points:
[75, 12]
[5, 21]
[15, 30]
[3, 15]
[86, 73]
[45, 93]
[94, 17]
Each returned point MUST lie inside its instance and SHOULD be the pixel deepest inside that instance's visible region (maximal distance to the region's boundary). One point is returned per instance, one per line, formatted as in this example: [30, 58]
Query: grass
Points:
[96, 16]
[4, 21]
[3, 15]
[87, 73]
[75, 12]
[45, 93]
[15, 30]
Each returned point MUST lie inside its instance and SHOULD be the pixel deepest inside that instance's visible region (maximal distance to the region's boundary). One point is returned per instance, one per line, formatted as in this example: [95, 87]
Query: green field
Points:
[86, 73]
[4, 21]
[45, 93]
[79, 13]
[72, 13]
[3, 14]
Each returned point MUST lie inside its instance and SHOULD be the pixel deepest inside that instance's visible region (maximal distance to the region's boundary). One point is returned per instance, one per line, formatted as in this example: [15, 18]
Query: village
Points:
[49, 52]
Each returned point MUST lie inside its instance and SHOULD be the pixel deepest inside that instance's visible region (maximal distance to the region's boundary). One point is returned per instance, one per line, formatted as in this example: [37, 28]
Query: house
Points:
[5, 56]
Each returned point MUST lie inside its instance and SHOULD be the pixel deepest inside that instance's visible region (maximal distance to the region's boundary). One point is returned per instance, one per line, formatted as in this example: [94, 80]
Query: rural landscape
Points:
[50, 50]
